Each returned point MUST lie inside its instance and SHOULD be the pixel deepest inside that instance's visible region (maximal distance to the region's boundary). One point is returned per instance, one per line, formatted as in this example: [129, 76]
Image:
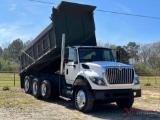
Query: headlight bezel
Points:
[97, 80]
[136, 80]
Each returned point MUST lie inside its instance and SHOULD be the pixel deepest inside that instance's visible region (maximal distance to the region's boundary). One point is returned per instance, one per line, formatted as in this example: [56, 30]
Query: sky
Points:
[25, 19]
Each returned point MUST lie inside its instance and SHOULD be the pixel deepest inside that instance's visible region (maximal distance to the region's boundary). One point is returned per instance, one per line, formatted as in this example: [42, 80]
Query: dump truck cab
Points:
[98, 65]
[95, 69]
[82, 58]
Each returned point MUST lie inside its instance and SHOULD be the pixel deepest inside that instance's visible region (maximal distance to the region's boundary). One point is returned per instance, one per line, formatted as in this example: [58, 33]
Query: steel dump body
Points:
[43, 54]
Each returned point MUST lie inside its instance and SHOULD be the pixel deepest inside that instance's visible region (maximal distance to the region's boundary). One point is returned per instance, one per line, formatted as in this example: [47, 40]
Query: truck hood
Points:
[99, 67]
[109, 64]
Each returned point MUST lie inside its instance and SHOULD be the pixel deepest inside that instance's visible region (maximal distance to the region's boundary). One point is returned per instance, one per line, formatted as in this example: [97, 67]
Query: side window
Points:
[73, 55]
[106, 56]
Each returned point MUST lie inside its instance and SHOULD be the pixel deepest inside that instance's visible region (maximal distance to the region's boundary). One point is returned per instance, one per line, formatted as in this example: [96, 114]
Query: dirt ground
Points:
[16, 105]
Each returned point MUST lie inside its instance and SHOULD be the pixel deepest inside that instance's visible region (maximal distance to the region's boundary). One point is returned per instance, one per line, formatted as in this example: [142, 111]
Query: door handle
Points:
[67, 71]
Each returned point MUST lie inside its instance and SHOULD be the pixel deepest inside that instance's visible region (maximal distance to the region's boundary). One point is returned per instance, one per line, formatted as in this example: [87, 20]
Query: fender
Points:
[81, 80]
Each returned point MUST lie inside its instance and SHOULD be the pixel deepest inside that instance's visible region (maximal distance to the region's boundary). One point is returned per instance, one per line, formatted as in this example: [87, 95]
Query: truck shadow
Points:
[111, 111]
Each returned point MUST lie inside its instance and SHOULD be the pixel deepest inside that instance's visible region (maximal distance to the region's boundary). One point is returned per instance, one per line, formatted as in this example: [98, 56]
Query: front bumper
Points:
[115, 94]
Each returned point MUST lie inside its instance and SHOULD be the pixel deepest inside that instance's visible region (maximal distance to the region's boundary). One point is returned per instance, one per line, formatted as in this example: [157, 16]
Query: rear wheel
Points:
[27, 84]
[36, 88]
[84, 99]
[46, 89]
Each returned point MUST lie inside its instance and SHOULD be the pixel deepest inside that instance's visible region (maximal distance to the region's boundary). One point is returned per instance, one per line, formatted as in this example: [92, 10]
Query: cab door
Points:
[72, 66]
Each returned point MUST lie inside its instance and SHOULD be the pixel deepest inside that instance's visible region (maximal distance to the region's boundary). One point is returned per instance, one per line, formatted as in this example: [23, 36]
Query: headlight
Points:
[136, 80]
[97, 80]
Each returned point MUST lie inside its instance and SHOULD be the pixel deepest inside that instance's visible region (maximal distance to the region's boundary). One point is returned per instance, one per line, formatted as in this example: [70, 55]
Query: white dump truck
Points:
[64, 60]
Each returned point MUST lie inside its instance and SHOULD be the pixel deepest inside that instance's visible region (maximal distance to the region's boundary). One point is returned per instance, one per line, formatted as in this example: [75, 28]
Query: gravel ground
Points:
[61, 109]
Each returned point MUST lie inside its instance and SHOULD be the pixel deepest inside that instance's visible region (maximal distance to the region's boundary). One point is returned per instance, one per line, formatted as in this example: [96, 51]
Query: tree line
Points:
[9, 55]
[147, 56]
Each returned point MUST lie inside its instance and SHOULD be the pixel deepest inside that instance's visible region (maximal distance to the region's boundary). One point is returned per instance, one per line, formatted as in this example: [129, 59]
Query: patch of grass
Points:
[12, 88]
[153, 98]
[147, 84]
[151, 89]
[15, 88]
[29, 102]
[9, 79]
[153, 80]
[10, 103]
[18, 99]
[1, 102]
[6, 88]
[6, 96]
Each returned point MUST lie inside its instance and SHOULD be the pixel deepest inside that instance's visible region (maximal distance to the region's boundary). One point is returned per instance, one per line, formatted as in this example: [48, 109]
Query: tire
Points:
[36, 88]
[27, 85]
[83, 99]
[126, 103]
[46, 89]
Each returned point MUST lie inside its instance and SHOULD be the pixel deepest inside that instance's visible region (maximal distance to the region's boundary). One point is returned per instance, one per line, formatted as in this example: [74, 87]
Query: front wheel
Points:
[84, 99]
[126, 103]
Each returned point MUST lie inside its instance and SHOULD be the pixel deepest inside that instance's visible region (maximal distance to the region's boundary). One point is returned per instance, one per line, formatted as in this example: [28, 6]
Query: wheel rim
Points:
[35, 88]
[43, 89]
[26, 85]
[81, 99]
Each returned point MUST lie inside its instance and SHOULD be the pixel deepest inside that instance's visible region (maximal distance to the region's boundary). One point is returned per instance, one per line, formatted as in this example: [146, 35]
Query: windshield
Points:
[95, 54]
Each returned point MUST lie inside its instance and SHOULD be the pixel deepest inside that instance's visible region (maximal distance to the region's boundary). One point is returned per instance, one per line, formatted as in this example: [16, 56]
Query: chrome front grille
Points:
[120, 76]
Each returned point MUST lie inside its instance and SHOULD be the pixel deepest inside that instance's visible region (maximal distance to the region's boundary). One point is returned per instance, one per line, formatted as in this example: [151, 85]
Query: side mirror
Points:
[70, 63]
[118, 58]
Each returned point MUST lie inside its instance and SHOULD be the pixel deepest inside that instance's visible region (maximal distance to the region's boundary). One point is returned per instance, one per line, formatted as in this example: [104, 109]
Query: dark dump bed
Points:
[43, 53]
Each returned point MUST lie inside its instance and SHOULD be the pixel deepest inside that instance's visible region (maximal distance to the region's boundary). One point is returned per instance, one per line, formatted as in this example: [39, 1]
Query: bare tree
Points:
[144, 53]
[15, 48]
[100, 43]
[149, 55]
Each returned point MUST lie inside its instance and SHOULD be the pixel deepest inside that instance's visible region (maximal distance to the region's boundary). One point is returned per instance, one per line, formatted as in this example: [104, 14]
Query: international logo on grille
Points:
[120, 68]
